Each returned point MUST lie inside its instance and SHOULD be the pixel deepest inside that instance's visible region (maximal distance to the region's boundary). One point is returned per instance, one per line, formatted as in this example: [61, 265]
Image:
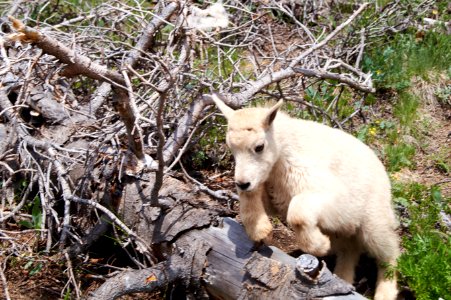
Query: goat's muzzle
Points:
[243, 185]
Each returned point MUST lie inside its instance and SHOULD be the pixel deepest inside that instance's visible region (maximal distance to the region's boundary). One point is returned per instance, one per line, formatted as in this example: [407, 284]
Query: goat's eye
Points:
[259, 148]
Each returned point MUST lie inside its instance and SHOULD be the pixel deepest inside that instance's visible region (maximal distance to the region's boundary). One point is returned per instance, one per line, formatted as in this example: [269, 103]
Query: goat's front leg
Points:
[302, 216]
[254, 217]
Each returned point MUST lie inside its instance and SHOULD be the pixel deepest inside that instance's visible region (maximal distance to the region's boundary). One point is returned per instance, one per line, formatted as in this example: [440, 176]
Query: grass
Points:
[405, 109]
[442, 160]
[399, 156]
[407, 56]
[402, 58]
[425, 265]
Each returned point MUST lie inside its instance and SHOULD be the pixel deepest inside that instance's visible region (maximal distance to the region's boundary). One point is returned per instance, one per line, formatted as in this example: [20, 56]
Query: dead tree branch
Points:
[4, 282]
[196, 109]
[78, 64]
[254, 87]
[147, 38]
[145, 280]
[160, 172]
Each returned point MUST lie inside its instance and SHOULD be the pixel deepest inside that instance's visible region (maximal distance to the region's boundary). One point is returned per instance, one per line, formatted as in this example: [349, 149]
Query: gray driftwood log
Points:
[236, 269]
[208, 254]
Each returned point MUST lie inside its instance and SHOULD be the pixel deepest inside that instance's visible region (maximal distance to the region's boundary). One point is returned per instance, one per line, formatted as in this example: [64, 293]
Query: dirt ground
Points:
[436, 123]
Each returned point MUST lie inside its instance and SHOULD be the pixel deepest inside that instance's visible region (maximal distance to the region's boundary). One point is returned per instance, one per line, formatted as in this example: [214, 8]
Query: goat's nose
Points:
[243, 185]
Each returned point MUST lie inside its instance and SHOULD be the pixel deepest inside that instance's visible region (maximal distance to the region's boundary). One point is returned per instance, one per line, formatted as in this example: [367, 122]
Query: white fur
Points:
[214, 16]
[330, 188]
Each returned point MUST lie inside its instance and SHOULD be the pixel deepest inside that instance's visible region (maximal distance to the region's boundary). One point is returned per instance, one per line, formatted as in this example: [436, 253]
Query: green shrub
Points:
[399, 156]
[444, 95]
[406, 109]
[407, 56]
[442, 160]
[36, 215]
[425, 264]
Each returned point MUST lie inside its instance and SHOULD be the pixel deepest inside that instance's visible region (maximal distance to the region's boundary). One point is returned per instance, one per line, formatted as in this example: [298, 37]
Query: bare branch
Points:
[77, 64]
[160, 172]
[80, 64]
[145, 280]
[71, 276]
[254, 87]
[329, 37]
[146, 39]
[335, 76]
[224, 195]
[5, 282]
[176, 140]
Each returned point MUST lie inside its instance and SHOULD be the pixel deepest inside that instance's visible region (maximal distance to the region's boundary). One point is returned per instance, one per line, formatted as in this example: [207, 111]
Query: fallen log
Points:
[220, 262]
[238, 270]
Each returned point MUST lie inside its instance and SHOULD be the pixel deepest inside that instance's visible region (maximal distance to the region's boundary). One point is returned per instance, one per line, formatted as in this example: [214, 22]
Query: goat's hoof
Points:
[318, 247]
[261, 236]
[262, 232]
[323, 247]
[268, 239]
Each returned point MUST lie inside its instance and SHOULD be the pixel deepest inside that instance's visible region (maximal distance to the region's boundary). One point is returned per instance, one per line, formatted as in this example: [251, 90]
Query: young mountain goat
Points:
[330, 188]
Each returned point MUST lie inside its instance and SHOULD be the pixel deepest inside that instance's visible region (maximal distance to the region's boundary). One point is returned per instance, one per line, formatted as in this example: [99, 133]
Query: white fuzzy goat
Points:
[330, 188]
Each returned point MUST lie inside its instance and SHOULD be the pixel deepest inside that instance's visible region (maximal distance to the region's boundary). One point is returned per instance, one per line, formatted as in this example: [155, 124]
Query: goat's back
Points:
[318, 158]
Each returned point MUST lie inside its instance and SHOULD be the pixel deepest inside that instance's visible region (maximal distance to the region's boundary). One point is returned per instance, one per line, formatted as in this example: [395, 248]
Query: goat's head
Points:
[250, 137]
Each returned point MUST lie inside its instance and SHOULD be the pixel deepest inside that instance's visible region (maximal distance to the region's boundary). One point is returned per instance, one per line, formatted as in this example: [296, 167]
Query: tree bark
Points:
[237, 269]
[222, 261]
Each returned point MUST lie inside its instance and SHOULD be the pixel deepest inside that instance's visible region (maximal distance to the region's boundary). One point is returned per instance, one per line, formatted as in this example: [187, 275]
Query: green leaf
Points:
[67, 294]
[27, 224]
[362, 133]
[401, 201]
[436, 195]
[36, 269]
[36, 213]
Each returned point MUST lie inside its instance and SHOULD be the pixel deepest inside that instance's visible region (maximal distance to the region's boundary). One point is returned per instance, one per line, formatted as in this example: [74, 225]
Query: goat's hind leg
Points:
[302, 216]
[348, 253]
[386, 286]
[382, 243]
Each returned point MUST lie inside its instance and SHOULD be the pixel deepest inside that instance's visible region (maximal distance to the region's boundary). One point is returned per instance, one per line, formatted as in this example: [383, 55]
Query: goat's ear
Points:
[272, 114]
[218, 100]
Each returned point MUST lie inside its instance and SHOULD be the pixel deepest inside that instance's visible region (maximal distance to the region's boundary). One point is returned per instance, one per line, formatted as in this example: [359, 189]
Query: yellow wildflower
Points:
[395, 176]
[372, 131]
